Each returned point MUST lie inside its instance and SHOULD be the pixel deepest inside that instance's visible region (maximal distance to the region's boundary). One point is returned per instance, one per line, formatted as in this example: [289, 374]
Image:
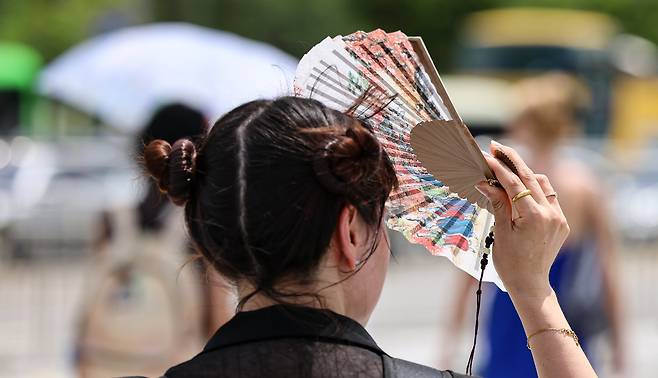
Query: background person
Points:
[171, 123]
[144, 265]
[584, 274]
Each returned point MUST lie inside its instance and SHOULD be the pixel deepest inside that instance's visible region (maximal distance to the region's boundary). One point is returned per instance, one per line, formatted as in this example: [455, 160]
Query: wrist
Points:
[530, 292]
[539, 310]
[532, 300]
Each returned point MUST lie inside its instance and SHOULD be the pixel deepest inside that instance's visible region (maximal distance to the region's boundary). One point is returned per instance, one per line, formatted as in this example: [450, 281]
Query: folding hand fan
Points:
[394, 76]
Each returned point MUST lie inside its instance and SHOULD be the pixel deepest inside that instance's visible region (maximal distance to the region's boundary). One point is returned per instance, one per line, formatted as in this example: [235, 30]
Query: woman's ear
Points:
[349, 238]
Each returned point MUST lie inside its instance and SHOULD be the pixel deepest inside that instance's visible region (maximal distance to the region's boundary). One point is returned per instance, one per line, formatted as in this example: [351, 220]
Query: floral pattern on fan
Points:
[384, 70]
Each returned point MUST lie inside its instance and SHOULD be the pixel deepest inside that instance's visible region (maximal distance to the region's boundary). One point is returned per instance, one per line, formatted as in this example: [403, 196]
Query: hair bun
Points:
[172, 167]
[348, 160]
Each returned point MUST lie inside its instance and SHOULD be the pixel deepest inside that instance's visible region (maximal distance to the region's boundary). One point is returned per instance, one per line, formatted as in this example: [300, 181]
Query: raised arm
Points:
[524, 251]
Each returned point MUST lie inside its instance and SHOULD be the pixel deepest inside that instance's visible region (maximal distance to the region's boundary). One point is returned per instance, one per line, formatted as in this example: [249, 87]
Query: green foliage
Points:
[296, 25]
[437, 21]
[48, 25]
[52, 26]
[293, 25]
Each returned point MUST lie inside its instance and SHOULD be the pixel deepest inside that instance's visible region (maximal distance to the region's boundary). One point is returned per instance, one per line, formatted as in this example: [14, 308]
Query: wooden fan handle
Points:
[507, 162]
[500, 155]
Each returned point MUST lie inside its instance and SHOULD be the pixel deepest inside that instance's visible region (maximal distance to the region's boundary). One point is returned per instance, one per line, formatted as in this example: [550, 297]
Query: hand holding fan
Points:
[435, 157]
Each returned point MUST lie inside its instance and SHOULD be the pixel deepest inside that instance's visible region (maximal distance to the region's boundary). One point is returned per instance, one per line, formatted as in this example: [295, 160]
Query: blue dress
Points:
[508, 355]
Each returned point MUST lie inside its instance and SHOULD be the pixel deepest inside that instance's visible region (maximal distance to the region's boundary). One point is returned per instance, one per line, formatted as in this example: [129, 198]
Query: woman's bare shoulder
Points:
[576, 176]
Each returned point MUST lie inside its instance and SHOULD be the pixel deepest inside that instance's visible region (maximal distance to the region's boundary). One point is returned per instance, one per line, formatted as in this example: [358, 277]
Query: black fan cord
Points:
[488, 243]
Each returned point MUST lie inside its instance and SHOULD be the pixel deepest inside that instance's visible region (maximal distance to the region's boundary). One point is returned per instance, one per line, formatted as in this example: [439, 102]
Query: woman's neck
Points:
[321, 296]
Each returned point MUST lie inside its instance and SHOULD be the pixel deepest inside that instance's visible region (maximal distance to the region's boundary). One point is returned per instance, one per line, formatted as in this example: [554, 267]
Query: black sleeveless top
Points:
[290, 341]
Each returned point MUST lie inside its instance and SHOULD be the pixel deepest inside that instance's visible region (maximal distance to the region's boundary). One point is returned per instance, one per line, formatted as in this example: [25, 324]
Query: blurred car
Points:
[636, 201]
[483, 102]
[52, 194]
[619, 70]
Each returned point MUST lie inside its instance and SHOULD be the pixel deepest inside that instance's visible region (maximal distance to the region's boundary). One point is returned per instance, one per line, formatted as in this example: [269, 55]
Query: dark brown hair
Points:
[264, 189]
[169, 123]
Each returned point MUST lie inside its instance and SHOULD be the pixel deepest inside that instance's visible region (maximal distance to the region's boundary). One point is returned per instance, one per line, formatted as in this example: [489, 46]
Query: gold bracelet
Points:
[563, 331]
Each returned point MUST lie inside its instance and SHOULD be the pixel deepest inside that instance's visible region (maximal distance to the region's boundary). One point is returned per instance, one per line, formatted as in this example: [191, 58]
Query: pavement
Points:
[39, 303]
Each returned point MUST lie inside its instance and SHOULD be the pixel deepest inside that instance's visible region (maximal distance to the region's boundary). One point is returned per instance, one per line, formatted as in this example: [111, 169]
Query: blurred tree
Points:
[437, 22]
[53, 26]
[293, 25]
[296, 25]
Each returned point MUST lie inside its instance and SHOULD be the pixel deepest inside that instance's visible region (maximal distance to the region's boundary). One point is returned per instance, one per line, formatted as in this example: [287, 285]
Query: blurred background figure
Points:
[141, 270]
[170, 123]
[586, 273]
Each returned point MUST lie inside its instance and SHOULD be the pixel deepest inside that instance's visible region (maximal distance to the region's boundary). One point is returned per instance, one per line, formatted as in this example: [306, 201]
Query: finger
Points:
[552, 200]
[548, 190]
[499, 201]
[512, 185]
[524, 172]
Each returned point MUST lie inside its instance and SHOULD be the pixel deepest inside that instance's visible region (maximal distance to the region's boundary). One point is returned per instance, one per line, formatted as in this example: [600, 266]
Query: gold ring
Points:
[552, 195]
[524, 193]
